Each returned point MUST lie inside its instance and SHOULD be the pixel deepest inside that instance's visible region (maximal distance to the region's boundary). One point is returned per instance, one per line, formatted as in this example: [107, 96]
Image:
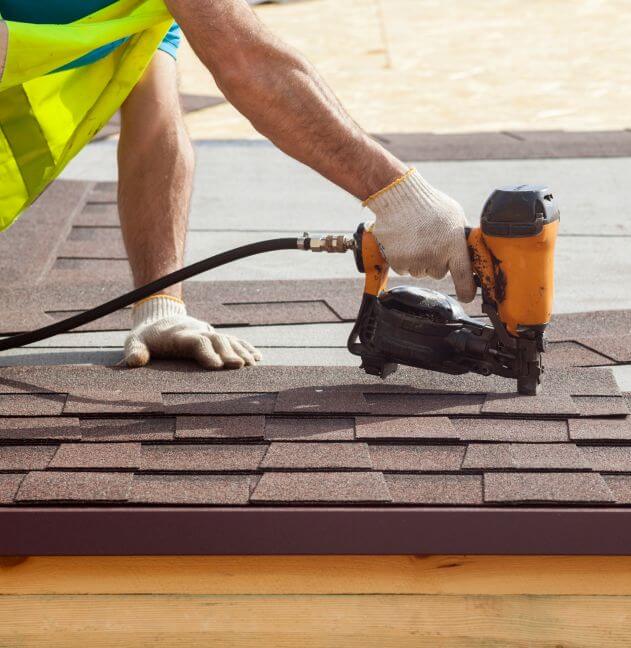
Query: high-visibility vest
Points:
[46, 119]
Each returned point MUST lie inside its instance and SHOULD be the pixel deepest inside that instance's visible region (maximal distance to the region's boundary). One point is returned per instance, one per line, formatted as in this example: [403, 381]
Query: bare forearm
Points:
[283, 95]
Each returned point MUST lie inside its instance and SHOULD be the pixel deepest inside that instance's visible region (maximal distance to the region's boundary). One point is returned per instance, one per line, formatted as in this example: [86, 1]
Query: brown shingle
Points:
[435, 489]
[601, 405]
[56, 486]
[27, 457]
[620, 486]
[320, 400]
[539, 405]
[424, 404]
[201, 458]
[125, 429]
[316, 456]
[617, 347]
[32, 404]
[309, 429]
[547, 487]
[40, 429]
[575, 326]
[572, 354]
[404, 427]
[121, 456]
[220, 427]
[190, 489]
[320, 488]
[422, 458]
[219, 403]
[531, 430]
[113, 401]
[288, 312]
[611, 429]
[608, 458]
[524, 456]
[9, 484]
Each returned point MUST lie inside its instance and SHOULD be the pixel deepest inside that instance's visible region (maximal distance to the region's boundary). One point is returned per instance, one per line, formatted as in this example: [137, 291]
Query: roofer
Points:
[61, 83]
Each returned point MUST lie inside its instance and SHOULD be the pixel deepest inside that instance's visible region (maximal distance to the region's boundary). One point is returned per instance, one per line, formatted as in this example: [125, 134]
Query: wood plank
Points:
[585, 575]
[315, 621]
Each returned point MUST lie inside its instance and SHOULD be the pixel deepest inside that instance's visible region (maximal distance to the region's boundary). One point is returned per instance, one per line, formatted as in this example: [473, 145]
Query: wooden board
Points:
[351, 621]
[232, 575]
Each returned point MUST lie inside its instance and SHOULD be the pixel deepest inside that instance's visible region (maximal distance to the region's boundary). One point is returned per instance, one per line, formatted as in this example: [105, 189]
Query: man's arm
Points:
[420, 229]
[283, 96]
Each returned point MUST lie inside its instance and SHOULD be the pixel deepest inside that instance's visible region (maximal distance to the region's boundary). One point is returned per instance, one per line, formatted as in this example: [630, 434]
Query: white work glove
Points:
[421, 232]
[161, 328]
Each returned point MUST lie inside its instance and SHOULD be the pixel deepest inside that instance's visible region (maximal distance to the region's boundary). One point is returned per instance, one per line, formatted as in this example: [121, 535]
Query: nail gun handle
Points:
[481, 263]
[370, 260]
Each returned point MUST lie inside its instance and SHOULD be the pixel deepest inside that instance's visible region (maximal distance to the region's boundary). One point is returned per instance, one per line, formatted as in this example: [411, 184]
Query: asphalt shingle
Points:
[404, 427]
[190, 489]
[219, 403]
[435, 489]
[524, 456]
[598, 429]
[601, 405]
[9, 484]
[424, 404]
[32, 404]
[620, 486]
[126, 429]
[202, 458]
[316, 400]
[616, 347]
[89, 487]
[422, 458]
[320, 488]
[220, 427]
[40, 429]
[26, 457]
[113, 401]
[316, 456]
[532, 430]
[549, 487]
[309, 429]
[539, 405]
[608, 458]
[101, 456]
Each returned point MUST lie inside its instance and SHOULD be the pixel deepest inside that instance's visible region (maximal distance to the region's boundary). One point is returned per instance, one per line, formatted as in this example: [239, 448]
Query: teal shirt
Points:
[65, 11]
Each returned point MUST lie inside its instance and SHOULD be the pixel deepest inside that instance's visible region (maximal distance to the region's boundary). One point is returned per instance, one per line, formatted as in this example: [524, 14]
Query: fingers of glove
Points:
[195, 345]
[437, 271]
[256, 354]
[222, 346]
[461, 272]
[242, 352]
[136, 351]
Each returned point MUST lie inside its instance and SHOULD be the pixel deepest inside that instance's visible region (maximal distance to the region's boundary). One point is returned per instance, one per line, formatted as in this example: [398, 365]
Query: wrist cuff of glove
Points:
[157, 307]
[409, 188]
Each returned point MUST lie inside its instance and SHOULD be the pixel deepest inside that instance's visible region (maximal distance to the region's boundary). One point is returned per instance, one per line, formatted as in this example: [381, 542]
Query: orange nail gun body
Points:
[512, 254]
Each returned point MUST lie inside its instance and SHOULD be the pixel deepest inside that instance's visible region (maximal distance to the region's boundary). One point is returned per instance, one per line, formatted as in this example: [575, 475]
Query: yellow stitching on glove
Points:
[394, 183]
[146, 299]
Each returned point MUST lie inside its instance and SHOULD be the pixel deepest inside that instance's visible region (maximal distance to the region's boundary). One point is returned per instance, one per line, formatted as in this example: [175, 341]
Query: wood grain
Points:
[315, 621]
[498, 575]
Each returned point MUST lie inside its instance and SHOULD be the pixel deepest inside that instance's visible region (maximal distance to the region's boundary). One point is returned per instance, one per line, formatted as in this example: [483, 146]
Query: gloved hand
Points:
[421, 232]
[161, 328]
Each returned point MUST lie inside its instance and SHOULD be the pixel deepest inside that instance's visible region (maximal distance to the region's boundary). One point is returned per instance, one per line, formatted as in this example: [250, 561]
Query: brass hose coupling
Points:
[326, 242]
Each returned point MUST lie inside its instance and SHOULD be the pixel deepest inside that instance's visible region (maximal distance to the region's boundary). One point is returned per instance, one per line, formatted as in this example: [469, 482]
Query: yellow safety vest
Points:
[46, 119]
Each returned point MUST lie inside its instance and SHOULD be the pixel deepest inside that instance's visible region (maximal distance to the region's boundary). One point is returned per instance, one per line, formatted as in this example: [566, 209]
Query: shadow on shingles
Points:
[64, 357]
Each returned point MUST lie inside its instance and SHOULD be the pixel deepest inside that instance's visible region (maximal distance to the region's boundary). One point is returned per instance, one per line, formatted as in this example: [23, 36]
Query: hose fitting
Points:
[326, 243]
